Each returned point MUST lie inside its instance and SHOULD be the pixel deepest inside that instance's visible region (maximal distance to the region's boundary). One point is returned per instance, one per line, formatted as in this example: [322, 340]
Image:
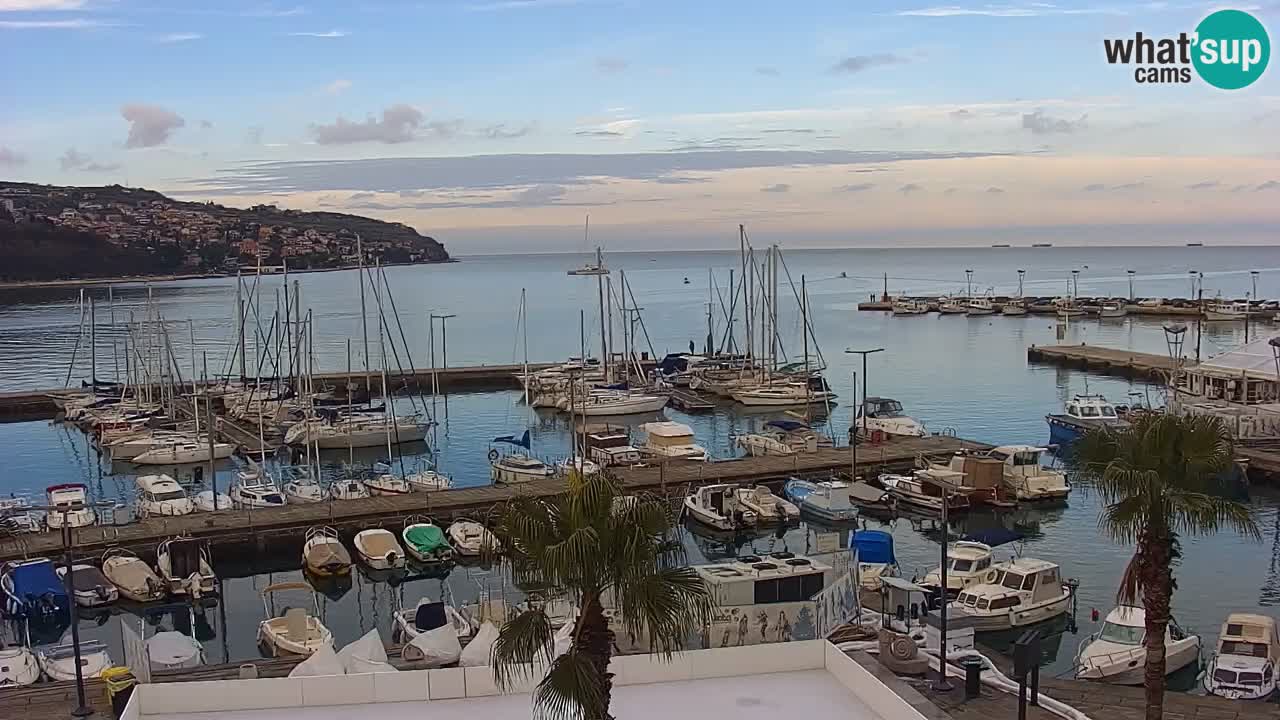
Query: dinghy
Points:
[18, 666]
[58, 662]
[379, 549]
[769, 508]
[433, 633]
[183, 565]
[132, 577]
[172, 649]
[324, 554]
[425, 542]
[90, 587]
[469, 537]
[296, 632]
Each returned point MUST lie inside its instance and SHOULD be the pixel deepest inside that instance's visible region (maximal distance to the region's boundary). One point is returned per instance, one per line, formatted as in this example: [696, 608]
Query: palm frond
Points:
[521, 641]
[666, 605]
[1201, 514]
[1130, 590]
[571, 689]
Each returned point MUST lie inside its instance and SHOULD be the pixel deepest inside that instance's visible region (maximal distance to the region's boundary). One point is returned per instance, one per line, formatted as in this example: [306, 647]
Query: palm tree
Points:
[1159, 479]
[592, 546]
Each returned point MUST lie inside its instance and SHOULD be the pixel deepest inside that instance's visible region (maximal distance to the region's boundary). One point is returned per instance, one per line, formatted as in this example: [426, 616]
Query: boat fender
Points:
[493, 456]
[990, 576]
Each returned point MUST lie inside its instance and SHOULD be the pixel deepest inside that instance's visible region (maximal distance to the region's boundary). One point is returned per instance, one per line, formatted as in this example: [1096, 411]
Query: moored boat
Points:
[132, 577]
[718, 506]
[1244, 666]
[296, 632]
[425, 542]
[876, 559]
[323, 553]
[58, 662]
[89, 586]
[885, 415]
[769, 509]
[1026, 592]
[68, 506]
[379, 549]
[161, 496]
[183, 566]
[469, 538]
[1116, 653]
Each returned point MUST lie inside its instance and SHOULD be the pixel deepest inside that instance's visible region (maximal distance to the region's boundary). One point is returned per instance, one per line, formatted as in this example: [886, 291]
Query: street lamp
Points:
[1275, 352]
[1075, 283]
[1192, 273]
[1131, 274]
[968, 275]
[1253, 275]
[853, 435]
[1021, 274]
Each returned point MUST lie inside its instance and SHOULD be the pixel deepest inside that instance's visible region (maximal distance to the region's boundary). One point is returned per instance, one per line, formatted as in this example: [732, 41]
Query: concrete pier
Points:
[1106, 361]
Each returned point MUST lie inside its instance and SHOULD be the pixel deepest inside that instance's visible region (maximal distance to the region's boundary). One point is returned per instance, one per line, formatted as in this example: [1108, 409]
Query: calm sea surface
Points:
[966, 374]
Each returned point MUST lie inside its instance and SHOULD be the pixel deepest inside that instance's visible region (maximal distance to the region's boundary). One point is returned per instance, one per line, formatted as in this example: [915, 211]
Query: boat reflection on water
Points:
[332, 587]
[715, 544]
[1028, 521]
[1051, 632]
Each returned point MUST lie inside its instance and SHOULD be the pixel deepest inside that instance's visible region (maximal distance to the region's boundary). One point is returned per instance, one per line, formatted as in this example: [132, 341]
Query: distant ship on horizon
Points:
[1195, 244]
[1041, 244]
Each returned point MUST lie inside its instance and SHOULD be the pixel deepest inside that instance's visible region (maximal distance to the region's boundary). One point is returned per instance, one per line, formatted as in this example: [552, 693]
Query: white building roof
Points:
[1256, 359]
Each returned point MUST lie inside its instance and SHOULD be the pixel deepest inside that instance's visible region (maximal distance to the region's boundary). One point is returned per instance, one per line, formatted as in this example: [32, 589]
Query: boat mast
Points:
[351, 453]
[93, 347]
[582, 336]
[240, 323]
[524, 335]
[364, 321]
[747, 299]
[711, 300]
[604, 339]
[208, 409]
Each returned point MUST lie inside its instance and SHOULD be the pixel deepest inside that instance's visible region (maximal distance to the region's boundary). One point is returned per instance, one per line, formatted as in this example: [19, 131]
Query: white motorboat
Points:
[18, 666]
[579, 465]
[89, 586]
[469, 538]
[832, 500]
[1025, 477]
[173, 650]
[296, 632]
[768, 508]
[184, 452]
[256, 491]
[885, 415]
[948, 305]
[386, 484]
[183, 566]
[980, 306]
[59, 661]
[301, 488]
[429, 615]
[968, 564]
[603, 403]
[161, 496]
[927, 489]
[348, 489]
[517, 468]
[1027, 591]
[1113, 310]
[1244, 667]
[757, 445]
[379, 549]
[17, 517]
[425, 542]
[210, 501]
[68, 506]
[323, 553]
[1222, 311]
[671, 440]
[718, 506]
[909, 306]
[1068, 308]
[1015, 307]
[132, 577]
[426, 479]
[1115, 654]
[783, 395]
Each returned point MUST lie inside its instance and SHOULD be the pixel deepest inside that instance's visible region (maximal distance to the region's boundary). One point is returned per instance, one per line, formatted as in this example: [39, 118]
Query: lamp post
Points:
[1075, 284]
[968, 277]
[444, 337]
[853, 444]
[1253, 275]
[1131, 274]
[1192, 274]
[1021, 274]
[942, 685]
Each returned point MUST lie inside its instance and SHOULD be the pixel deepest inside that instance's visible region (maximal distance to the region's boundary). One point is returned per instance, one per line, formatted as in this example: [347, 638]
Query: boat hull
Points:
[1014, 618]
[1130, 669]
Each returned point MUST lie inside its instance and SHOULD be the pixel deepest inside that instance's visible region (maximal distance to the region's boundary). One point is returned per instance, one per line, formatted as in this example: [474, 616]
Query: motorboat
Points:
[885, 415]
[718, 506]
[18, 666]
[1150, 302]
[785, 394]
[830, 500]
[671, 440]
[1222, 311]
[948, 305]
[425, 542]
[1025, 477]
[1015, 307]
[300, 487]
[603, 403]
[428, 479]
[17, 517]
[611, 447]
[32, 590]
[173, 649]
[927, 490]
[1244, 666]
[386, 483]
[876, 559]
[256, 492]
[161, 496]
[89, 586]
[183, 566]
[1116, 654]
[1026, 592]
[980, 306]
[969, 564]
[429, 615]
[323, 553]
[769, 509]
[185, 452]
[1082, 414]
[68, 506]
[469, 538]
[211, 501]
[579, 465]
[759, 444]
[517, 468]
[979, 477]
[1113, 310]
[910, 306]
[379, 549]
[132, 577]
[296, 632]
[348, 489]
[1068, 308]
[58, 662]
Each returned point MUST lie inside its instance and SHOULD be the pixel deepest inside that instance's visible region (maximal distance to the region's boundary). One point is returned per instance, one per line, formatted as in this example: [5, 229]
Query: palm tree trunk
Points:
[1155, 553]
[595, 640]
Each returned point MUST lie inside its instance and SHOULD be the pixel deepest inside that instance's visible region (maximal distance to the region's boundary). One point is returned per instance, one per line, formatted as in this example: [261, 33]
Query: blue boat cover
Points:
[523, 441]
[36, 579]
[874, 546]
[787, 425]
[994, 536]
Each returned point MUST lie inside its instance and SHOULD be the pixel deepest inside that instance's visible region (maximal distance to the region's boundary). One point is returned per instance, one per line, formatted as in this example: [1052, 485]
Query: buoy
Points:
[1093, 614]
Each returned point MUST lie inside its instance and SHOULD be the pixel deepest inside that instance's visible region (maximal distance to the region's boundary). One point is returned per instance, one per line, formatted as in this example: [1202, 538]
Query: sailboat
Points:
[516, 467]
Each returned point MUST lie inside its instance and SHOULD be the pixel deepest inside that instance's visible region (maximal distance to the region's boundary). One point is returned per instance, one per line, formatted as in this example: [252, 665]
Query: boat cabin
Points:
[764, 580]
[69, 496]
[878, 407]
[968, 563]
[1020, 581]
[159, 488]
[1091, 407]
[1250, 636]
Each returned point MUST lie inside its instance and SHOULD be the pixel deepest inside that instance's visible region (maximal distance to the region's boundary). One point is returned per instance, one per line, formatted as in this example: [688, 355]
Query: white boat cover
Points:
[171, 649]
[322, 662]
[436, 648]
[479, 652]
[366, 655]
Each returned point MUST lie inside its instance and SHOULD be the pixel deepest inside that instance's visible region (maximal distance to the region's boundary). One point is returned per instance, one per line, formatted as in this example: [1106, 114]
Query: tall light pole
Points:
[1253, 275]
[853, 444]
[1021, 274]
[444, 338]
[968, 276]
[1192, 274]
[1131, 274]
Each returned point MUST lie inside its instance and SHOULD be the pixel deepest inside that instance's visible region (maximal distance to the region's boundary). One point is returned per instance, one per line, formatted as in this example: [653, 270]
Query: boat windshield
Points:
[171, 495]
[1088, 411]
[962, 565]
[1247, 649]
[1026, 457]
[1108, 411]
[1121, 634]
[885, 409]
[1013, 581]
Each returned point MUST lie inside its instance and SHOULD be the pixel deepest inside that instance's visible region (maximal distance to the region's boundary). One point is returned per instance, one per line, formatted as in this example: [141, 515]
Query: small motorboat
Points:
[90, 587]
[296, 632]
[209, 501]
[161, 495]
[830, 500]
[910, 306]
[324, 554]
[1115, 654]
[18, 666]
[68, 506]
[758, 444]
[257, 492]
[348, 490]
[580, 465]
[1113, 310]
[876, 559]
[886, 416]
[171, 649]
[428, 480]
[1016, 307]
[301, 488]
[425, 541]
[385, 483]
[968, 564]
[183, 566]
[379, 549]
[32, 590]
[925, 490]
[58, 662]
[1244, 667]
[1082, 414]
[1026, 592]
[132, 577]
[470, 538]
[718, 506]
[948, 305]
[769, 508]
[448, 629]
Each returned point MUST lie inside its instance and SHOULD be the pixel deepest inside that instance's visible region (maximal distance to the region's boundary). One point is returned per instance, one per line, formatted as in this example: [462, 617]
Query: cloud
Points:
[777, 188]
[793, 131]
[399, 123]
[1129, 186]
[856, 187]
[1011, 11]
[11, 158]
[1099, 187]
[179, 37]
[600, 133]
[995, 190]
[72, 159]
[1207, 184]
[325, 34]
[1239, 188]
[858, 63]
[767, 70]
[274, 12]
[76, 24]
[951, 191]
[40, 5]
[910, 188]
[149, 125]
[337, 87]
[1268, 185]
[206, 125]
[611, 65]
[1094, 187]
[502, 132]
[1040, 124]
[253, 135]
[962, 114]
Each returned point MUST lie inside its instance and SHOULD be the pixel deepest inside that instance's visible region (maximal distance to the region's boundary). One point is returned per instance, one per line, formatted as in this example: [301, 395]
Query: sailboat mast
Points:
[240, 323]
[604, 338]
[582, 336]
[746, 280]
[711, 300]
[364, 321]
[93, 347]
[351, 453]
[524, 335]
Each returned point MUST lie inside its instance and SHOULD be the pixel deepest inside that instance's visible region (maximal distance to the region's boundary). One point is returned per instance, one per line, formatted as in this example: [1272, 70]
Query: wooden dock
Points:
[689, 401]
[1107, 361]
[1091, 306]
[283, 528]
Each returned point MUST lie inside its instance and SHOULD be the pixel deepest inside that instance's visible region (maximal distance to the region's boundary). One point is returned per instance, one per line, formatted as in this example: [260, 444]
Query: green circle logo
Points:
[1232, 49]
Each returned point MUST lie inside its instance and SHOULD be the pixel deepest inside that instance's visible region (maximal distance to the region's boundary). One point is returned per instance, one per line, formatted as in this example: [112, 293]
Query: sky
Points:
[501, 125]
